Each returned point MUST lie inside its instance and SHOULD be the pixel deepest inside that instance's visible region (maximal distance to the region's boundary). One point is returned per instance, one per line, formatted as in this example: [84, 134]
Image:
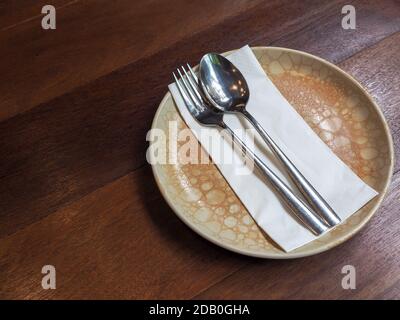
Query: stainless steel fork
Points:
[198, 107]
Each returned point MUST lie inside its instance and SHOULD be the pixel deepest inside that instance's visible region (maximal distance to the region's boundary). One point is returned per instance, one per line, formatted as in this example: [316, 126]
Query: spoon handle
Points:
[313, 197]
[312, 221]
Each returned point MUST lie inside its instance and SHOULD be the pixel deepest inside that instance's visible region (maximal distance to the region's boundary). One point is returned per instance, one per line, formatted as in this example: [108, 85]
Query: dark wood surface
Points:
[76, 191]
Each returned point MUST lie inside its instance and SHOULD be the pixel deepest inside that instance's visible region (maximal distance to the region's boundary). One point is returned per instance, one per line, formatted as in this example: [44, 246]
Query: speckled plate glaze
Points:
[336, 107]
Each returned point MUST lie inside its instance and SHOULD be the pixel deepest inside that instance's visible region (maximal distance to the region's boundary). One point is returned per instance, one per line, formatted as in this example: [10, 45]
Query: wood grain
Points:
[75, 188]
[14, 12]
[92, 39]
[375, 252]
[122, 241]
[375, 20]
[112, 113]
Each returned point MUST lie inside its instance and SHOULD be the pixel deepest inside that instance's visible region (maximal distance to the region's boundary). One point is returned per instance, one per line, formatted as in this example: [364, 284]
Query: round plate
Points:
[336, 107]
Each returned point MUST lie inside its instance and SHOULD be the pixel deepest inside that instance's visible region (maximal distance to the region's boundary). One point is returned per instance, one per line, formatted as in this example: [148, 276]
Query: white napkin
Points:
[341, 188]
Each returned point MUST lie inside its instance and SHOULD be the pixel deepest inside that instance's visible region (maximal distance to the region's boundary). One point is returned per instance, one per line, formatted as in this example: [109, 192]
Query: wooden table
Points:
[76, 191]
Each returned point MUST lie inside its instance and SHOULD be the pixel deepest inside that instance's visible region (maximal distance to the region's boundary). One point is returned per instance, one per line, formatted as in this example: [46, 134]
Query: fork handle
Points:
[313, 197]
[310, 220]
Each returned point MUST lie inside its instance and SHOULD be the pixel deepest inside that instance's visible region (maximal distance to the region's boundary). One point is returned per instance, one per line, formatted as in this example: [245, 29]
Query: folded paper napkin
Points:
[342, 188]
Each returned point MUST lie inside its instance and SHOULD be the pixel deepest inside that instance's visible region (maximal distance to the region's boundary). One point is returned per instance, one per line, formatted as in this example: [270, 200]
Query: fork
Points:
[200, 109]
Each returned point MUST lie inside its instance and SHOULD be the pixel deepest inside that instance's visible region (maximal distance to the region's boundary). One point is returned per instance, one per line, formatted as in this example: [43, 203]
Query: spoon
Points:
[227, 90]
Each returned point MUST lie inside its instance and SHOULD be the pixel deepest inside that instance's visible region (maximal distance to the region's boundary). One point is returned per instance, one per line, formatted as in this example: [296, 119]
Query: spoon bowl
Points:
[223, 84]
[226, 89]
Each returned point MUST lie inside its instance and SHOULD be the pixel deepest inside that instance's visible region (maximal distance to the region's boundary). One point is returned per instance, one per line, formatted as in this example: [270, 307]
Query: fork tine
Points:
[181, 89]
[196, 82]
[193, 74]
[188, 101]
[193, 84]
[189, 90]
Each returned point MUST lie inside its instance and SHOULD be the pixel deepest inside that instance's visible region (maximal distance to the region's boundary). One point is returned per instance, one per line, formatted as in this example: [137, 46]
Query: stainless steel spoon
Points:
[227, 89]
[206, 115]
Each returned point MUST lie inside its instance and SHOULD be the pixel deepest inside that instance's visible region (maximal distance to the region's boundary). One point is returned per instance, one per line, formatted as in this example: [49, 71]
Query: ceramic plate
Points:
[336, 107]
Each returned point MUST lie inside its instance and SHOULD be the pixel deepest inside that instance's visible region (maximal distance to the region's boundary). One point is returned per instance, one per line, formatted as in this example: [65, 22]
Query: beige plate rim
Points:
[287, 255]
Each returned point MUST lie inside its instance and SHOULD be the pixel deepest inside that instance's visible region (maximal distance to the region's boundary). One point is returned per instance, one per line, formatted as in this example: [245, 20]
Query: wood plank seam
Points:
[38, 16]
[232, 274]
[393, 34]
[144, 163]
[227, 20]
[228, 274]
[53, 208]
[394, 175]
